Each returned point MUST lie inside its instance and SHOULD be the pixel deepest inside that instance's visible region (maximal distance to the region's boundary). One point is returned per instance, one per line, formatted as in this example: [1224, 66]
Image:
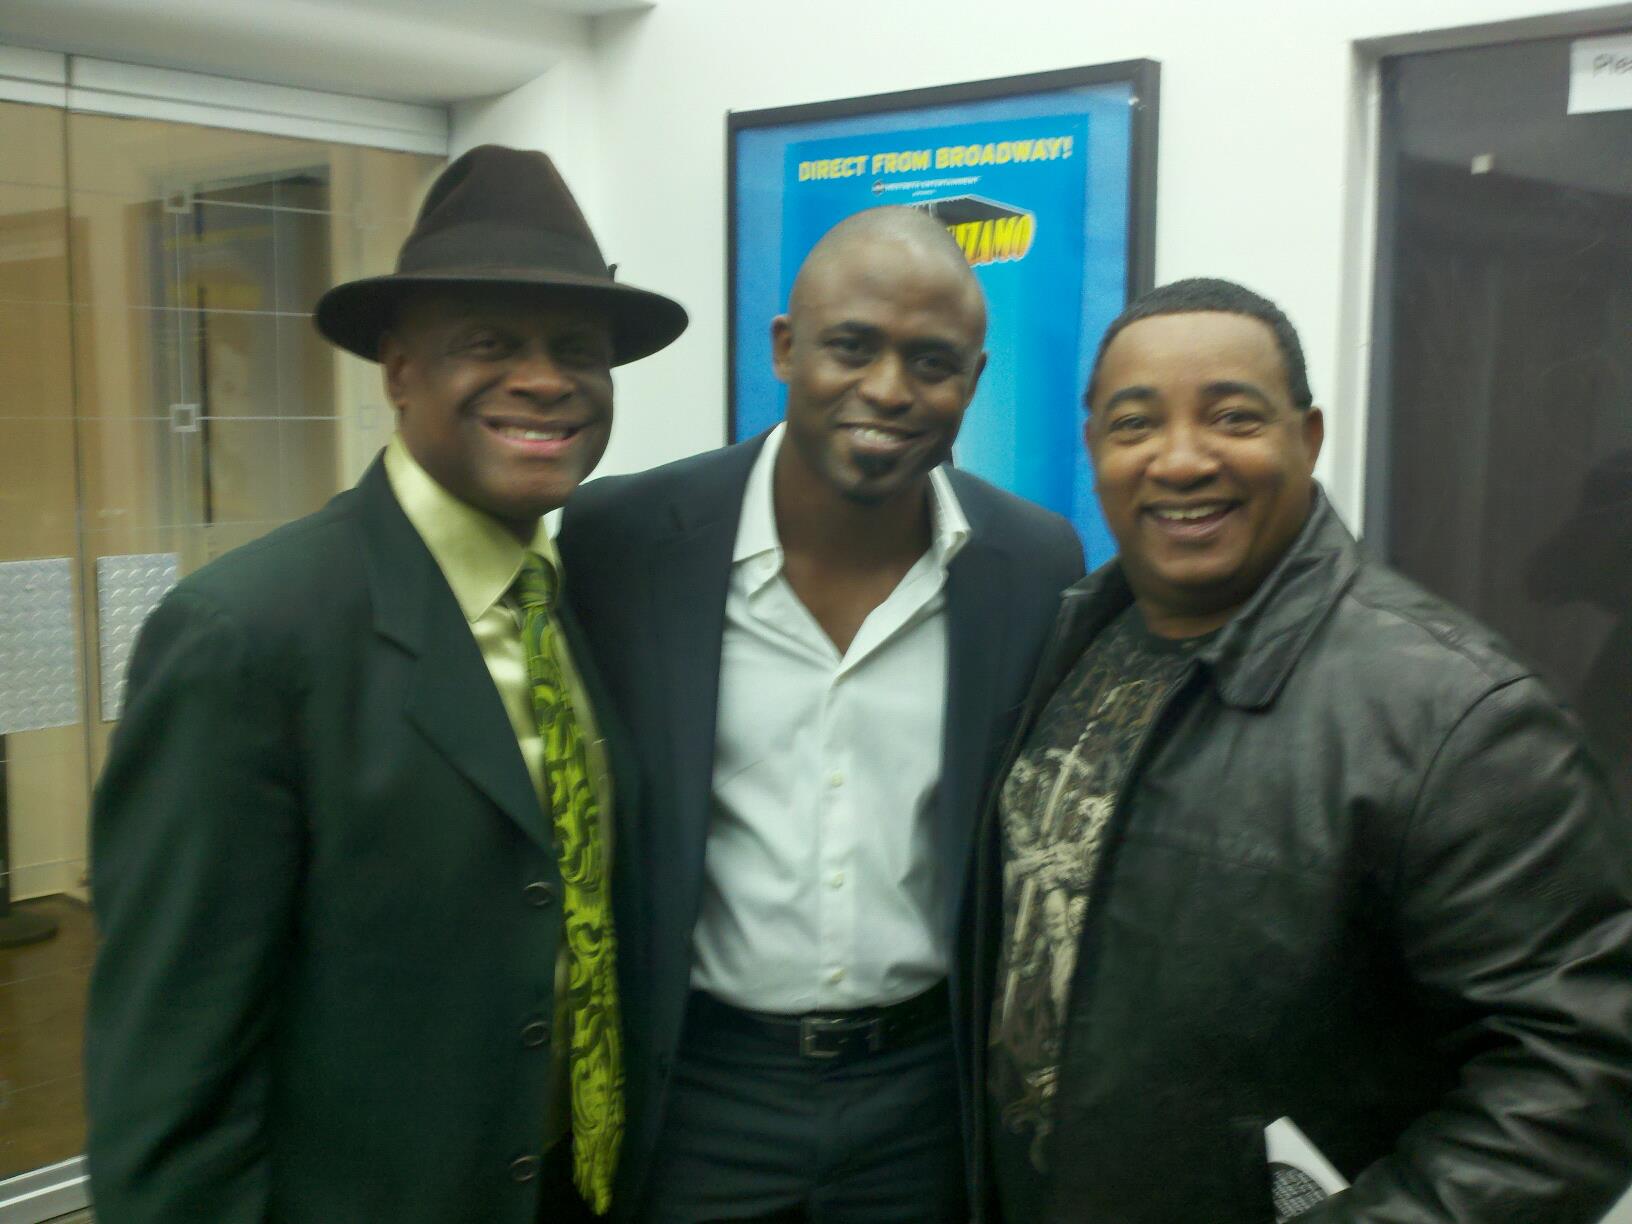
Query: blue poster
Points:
[1036, 191]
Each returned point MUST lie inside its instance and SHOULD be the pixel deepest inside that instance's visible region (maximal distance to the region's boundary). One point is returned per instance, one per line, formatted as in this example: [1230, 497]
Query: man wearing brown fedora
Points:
[351, 848]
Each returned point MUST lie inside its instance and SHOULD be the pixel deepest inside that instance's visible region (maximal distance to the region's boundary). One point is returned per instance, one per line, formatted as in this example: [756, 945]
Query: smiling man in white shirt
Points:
[818, 638]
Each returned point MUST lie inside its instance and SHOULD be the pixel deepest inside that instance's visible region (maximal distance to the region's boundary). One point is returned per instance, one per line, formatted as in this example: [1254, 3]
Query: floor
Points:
[42, 1029]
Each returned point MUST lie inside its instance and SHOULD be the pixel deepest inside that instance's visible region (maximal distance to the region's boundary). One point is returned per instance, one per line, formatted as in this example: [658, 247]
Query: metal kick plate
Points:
[38, 645]
[128, 588]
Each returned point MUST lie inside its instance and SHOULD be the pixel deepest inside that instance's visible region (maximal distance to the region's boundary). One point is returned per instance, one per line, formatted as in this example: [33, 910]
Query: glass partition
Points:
[163, 398]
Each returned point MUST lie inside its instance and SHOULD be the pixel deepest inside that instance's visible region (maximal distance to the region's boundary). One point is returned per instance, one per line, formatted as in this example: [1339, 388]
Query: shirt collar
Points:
[952, 530]
[476, 554]
[756, 527]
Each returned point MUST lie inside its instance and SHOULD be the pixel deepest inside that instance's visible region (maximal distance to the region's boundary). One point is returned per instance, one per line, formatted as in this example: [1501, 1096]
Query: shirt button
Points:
[535, 1034]
[836, 975]
[539, 893]
[835, 779]
[524, 1168]
[837, 879]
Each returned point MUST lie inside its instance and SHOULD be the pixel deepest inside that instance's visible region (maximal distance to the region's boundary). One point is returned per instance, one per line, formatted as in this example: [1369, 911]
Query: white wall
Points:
[559, 112]
[1262, 171]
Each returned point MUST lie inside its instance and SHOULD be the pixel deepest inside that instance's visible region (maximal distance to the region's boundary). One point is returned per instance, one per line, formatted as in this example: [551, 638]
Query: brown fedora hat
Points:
[500, 216]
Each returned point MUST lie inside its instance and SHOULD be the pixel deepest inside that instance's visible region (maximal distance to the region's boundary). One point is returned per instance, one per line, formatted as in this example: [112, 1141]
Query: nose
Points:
[1183, 459]
[885, 387]
[535, 375]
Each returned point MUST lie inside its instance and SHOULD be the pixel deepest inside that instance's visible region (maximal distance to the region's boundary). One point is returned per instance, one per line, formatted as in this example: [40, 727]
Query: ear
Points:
[975, 372]
[393, 364]
[781, 345]
[1314, 433]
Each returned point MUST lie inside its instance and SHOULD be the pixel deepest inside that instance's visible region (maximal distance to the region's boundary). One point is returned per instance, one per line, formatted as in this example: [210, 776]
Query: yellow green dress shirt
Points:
[480, 559]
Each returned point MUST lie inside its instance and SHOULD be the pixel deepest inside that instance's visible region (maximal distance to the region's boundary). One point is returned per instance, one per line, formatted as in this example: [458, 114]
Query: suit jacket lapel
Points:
[451, 697]
[692, 576]
[977, 624]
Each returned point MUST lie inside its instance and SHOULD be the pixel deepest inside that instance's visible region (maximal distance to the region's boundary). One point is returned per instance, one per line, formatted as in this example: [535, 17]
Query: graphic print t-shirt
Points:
[1054, 809]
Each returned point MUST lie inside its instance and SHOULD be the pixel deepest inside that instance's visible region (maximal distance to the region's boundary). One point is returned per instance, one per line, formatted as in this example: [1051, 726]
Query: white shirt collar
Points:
[756, 527]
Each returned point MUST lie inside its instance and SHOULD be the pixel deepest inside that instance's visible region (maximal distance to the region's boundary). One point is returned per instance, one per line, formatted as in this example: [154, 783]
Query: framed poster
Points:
[1047, 181]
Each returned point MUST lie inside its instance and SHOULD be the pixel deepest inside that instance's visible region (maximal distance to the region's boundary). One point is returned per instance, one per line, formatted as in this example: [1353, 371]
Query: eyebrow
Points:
[924, 344]
[1122, 395]
[1218, 389]
[851, 325]
[1227, 387]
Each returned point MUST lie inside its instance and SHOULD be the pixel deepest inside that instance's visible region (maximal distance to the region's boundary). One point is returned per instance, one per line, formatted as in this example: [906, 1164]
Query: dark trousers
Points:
[558, 1199]
[755, 1132]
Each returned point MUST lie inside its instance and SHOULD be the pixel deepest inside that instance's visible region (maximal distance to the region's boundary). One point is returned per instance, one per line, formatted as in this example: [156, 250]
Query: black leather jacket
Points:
[1363, 875]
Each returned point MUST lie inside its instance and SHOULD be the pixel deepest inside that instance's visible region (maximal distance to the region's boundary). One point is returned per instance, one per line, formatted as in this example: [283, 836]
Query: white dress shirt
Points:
[822, 889]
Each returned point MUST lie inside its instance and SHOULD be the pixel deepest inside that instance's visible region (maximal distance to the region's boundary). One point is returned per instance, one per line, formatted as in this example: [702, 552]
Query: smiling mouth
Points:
[534, 441]
[555, 433]
[1191, 522]
[879, 438]
[877, 450]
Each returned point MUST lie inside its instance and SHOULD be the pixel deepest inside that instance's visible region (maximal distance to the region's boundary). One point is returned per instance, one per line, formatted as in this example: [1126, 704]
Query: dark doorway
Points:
[1501, 438]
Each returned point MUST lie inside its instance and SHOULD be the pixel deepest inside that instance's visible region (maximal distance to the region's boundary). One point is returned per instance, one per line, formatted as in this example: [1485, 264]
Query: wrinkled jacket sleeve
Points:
[1514, 909]
[194, 858]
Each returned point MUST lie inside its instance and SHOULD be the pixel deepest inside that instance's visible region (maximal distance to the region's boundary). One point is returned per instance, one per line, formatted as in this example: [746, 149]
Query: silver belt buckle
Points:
[814, 1029]
[811, 1031]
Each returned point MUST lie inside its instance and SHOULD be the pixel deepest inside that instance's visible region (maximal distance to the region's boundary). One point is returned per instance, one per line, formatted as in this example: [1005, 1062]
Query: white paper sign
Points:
[1601, 74]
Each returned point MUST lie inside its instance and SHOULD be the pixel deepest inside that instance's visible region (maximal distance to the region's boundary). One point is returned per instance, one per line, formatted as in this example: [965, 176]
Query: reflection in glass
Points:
[1501, 429]
[163, 399]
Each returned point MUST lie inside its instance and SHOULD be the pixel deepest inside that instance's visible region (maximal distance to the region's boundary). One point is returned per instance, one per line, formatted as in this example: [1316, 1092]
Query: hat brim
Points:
[356, 314]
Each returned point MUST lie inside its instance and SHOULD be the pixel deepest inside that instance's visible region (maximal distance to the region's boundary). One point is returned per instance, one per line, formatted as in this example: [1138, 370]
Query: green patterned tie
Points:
[597, 1039]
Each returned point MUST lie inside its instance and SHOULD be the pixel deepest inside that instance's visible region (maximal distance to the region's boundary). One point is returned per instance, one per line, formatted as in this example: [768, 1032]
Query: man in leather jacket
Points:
[1283, 835]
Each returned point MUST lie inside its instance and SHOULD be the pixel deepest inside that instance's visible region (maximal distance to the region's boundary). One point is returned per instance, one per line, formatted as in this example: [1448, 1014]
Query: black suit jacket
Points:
[328, 898]
[648, 564]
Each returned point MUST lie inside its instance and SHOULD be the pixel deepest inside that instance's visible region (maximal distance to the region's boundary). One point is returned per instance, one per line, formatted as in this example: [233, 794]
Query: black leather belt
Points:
[846, 1034]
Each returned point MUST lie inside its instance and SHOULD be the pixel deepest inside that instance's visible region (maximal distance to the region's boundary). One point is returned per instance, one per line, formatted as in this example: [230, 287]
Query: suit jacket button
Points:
[535, 1034]
[539, 893]
[524, 1168]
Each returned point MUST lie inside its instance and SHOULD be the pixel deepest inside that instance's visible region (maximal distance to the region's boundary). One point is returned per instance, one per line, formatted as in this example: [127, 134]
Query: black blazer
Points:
[647, 560]
[328, 899]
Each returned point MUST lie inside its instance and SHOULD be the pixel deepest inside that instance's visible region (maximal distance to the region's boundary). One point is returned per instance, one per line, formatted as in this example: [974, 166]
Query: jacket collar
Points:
[399, 566]
[696, 504]
[1254, 653]
[449, 697]
[477, 555]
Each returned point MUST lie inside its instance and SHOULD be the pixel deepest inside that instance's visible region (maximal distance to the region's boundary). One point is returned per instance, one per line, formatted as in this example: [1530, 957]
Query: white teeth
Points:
[865, 434]
[533, 435]
[1187, 514]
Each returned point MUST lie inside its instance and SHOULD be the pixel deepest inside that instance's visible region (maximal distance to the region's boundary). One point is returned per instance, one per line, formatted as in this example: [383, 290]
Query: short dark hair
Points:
[1203, 294]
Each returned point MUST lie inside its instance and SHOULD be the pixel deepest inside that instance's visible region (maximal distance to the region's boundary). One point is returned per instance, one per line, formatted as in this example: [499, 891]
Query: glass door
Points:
[1501, 470]
[45, 940]
[163, 398]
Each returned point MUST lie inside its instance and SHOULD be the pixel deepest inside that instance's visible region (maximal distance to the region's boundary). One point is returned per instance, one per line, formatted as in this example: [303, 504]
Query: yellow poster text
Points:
[998, 240]
[833, 168]
[1001, 153]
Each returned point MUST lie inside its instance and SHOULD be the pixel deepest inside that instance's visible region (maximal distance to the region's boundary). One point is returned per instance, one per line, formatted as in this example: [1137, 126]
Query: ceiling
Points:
[428, 51]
